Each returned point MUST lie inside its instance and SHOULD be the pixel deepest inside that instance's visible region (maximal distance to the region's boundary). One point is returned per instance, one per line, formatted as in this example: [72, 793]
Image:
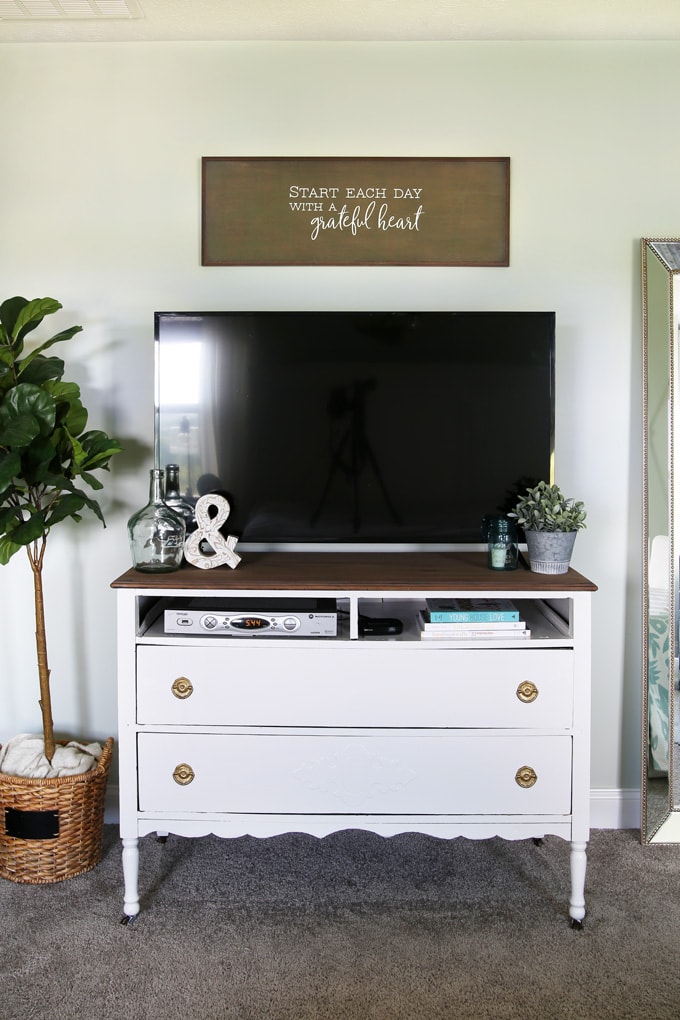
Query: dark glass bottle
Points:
[156, 532]
[174, 498]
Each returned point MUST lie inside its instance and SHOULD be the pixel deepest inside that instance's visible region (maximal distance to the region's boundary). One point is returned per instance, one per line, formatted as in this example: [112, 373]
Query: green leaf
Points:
[91, 480]
[58, 338]
[30, 529]
[70, 411]
[39, 369]
[58, 482]
[36, 461]
[7, 549]
[99, 449]
[27, 399]
[65, 506]
[10, 518]
[18, 431]
[31, 315]
[92, 504]
[78, 453]
[9, 313]
[10, 465]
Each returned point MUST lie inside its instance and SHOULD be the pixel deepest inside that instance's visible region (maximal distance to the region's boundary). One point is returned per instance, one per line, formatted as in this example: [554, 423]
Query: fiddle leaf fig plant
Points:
[44, 449]
[544, 508]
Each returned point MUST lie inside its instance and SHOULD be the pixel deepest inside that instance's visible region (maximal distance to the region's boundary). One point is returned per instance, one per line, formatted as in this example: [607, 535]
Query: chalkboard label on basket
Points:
[31, 824]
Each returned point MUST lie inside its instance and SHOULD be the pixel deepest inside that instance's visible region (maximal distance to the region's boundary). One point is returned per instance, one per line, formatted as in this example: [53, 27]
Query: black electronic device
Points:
[379, 626]
[356, 428]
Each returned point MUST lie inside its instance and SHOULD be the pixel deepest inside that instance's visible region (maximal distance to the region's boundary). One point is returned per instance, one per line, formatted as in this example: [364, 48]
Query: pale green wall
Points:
[100, 150]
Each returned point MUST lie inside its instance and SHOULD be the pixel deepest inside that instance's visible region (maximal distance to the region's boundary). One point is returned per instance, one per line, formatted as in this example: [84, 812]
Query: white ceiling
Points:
[340, 20]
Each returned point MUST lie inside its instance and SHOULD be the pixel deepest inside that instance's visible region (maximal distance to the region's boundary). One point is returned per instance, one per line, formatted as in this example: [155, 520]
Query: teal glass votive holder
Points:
[502, 542]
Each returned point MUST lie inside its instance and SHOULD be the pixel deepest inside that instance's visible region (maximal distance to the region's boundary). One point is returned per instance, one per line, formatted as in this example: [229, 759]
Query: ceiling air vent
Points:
[68, 10]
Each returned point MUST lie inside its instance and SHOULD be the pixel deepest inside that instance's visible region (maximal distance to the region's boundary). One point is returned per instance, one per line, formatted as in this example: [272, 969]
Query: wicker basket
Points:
[72, 806]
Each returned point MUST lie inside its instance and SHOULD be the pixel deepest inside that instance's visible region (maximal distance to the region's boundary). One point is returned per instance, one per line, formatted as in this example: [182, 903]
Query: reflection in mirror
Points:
[660, 757]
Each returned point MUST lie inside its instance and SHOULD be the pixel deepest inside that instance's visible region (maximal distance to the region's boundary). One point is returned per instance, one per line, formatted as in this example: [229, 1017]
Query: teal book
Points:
[471, 610]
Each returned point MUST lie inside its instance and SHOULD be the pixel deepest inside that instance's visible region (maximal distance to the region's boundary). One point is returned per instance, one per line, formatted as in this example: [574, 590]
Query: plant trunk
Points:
[36, 560]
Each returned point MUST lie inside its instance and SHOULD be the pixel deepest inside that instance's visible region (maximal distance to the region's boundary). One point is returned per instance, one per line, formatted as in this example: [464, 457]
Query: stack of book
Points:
[471, 620]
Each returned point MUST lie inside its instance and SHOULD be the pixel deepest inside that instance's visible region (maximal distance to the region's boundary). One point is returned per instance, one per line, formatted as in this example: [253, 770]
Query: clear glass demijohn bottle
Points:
[156, 532]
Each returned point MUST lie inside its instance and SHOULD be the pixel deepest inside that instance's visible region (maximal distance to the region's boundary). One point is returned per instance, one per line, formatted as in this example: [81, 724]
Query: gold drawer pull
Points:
[525, 777]
[182, 688]
[527, 692]
[183, 774]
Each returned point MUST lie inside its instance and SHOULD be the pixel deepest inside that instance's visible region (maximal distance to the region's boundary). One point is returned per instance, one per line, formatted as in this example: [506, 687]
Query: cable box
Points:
[253, 618]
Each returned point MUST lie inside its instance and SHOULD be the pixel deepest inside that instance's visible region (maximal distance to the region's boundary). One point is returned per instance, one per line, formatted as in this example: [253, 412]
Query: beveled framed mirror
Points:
[660, 786]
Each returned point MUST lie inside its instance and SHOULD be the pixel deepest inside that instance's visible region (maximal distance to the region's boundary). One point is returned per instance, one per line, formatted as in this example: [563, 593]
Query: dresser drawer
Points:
[352, 686]
[352, 774]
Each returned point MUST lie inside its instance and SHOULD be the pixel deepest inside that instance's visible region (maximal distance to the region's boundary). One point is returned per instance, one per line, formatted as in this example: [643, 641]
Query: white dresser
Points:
[271, 733]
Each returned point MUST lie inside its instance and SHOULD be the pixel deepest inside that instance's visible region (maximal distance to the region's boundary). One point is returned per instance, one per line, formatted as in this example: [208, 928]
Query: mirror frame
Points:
[660, 816]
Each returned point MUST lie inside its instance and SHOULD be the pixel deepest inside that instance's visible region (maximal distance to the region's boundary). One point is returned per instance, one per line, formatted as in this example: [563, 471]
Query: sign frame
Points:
[381, 211]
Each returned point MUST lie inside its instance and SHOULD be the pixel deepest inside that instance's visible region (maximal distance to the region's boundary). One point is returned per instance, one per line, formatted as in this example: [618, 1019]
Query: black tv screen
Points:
[381, 428]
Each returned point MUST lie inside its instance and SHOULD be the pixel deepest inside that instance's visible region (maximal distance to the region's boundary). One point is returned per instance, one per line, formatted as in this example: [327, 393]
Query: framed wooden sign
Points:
[264, 211]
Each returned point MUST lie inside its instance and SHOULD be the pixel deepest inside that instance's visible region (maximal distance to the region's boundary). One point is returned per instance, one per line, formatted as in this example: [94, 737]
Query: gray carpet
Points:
[351, 927]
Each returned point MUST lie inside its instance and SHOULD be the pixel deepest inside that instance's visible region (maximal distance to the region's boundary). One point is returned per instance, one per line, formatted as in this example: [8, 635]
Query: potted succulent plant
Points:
[550, 522]
[44, 448]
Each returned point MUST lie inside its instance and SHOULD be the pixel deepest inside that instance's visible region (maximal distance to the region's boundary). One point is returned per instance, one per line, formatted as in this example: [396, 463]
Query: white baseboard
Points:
[111, 814]
[615, 809]
[609, 809]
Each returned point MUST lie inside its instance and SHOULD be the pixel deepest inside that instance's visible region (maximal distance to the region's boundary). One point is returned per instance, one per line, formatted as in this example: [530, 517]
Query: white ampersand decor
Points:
[208, 530]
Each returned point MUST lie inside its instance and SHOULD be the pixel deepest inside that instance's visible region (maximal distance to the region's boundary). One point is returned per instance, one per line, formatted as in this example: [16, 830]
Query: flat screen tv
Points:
[388, 429]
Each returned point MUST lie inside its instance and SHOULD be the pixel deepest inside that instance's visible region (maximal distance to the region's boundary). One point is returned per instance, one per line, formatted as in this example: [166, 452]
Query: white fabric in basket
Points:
[24, 755]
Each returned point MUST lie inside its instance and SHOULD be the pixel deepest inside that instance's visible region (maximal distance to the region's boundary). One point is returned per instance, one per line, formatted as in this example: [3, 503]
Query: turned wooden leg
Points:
[130, 877]
[577, 903]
